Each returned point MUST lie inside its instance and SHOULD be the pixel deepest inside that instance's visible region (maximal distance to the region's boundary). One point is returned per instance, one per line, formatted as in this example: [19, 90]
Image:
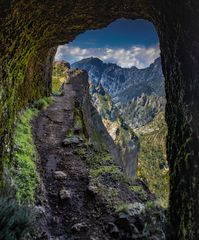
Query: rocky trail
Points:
[81, 186]
[67, 209]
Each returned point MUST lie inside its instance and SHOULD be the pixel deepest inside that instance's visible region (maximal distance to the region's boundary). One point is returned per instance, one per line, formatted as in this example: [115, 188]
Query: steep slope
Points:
[120, 139]
[138, 93]
[153, 166]
[84, 194]
[126, 145]
[141, 110]
[138, 97]
[147, 143]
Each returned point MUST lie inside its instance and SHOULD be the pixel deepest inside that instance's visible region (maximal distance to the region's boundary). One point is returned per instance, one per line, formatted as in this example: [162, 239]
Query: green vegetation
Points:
[122, 207]
[43, 103]
[151, 213]
[59, 77]
[104, 172]
[140, 191]
[130, 208]
[153, 166]
[22, 167]
[109, 194]
[105, 104]
[24, 171]
[113, 170]
[15, 220]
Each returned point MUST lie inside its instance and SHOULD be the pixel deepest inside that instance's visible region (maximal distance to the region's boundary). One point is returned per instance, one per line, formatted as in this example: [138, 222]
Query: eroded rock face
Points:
[126, 144]
[29, 29]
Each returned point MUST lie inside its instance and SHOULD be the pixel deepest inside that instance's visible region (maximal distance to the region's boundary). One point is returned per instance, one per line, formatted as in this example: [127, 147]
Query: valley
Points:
[137, 98]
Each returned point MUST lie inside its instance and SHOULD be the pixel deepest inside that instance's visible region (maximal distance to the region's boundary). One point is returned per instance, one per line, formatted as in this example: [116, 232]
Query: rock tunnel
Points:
[30, 33]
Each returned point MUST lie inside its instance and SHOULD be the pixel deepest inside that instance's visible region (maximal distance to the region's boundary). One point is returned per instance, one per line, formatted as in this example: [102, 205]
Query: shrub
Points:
[15, 220]
[43, 103]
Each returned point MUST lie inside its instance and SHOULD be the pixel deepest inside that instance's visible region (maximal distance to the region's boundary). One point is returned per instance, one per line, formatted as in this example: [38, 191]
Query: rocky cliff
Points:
[135, 133]
[138, 101]
[126, 142]
[102, 119]
[139, 94]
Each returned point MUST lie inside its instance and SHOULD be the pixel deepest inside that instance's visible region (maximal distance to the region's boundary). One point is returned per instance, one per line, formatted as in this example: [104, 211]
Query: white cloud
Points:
[138, 56]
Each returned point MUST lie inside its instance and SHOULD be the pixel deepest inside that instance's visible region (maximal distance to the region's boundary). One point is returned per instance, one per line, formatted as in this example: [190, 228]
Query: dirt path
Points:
[68, 210]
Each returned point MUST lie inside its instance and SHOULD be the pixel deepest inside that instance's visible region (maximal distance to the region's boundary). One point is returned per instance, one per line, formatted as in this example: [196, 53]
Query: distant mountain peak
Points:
[124, 84]
[93, 60]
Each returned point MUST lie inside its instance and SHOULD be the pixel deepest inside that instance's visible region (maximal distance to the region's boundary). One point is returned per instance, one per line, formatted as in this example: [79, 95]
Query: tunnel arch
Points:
[30, 30]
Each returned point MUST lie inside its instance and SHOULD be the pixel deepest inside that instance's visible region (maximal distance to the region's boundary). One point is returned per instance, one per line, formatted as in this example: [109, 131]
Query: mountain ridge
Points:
[115, 79]
[138, 92]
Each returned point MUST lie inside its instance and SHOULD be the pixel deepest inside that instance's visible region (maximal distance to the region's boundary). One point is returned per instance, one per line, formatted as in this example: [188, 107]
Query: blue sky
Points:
[124, 42]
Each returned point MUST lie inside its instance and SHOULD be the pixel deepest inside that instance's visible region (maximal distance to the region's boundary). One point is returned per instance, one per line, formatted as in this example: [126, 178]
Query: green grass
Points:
[23, 169]
[122, 207]
[56, 84]
[140, 191]
[24, 172]
[113, 170]
[59, 76]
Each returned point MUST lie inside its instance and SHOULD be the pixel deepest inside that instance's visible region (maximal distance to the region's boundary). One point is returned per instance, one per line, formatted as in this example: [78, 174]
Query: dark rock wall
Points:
[79, 82]
[29, 28]
[179, 39]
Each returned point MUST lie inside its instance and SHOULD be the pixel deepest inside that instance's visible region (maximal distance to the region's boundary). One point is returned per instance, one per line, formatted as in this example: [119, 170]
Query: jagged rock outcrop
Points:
[126, 141]
[124, 84]
[29, 29]
[144, 114]
[139, 94]
[101, 116]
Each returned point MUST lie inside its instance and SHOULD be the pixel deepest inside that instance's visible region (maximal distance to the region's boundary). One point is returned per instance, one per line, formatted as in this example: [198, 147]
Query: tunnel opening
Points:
[126, 86]
[25, 64]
